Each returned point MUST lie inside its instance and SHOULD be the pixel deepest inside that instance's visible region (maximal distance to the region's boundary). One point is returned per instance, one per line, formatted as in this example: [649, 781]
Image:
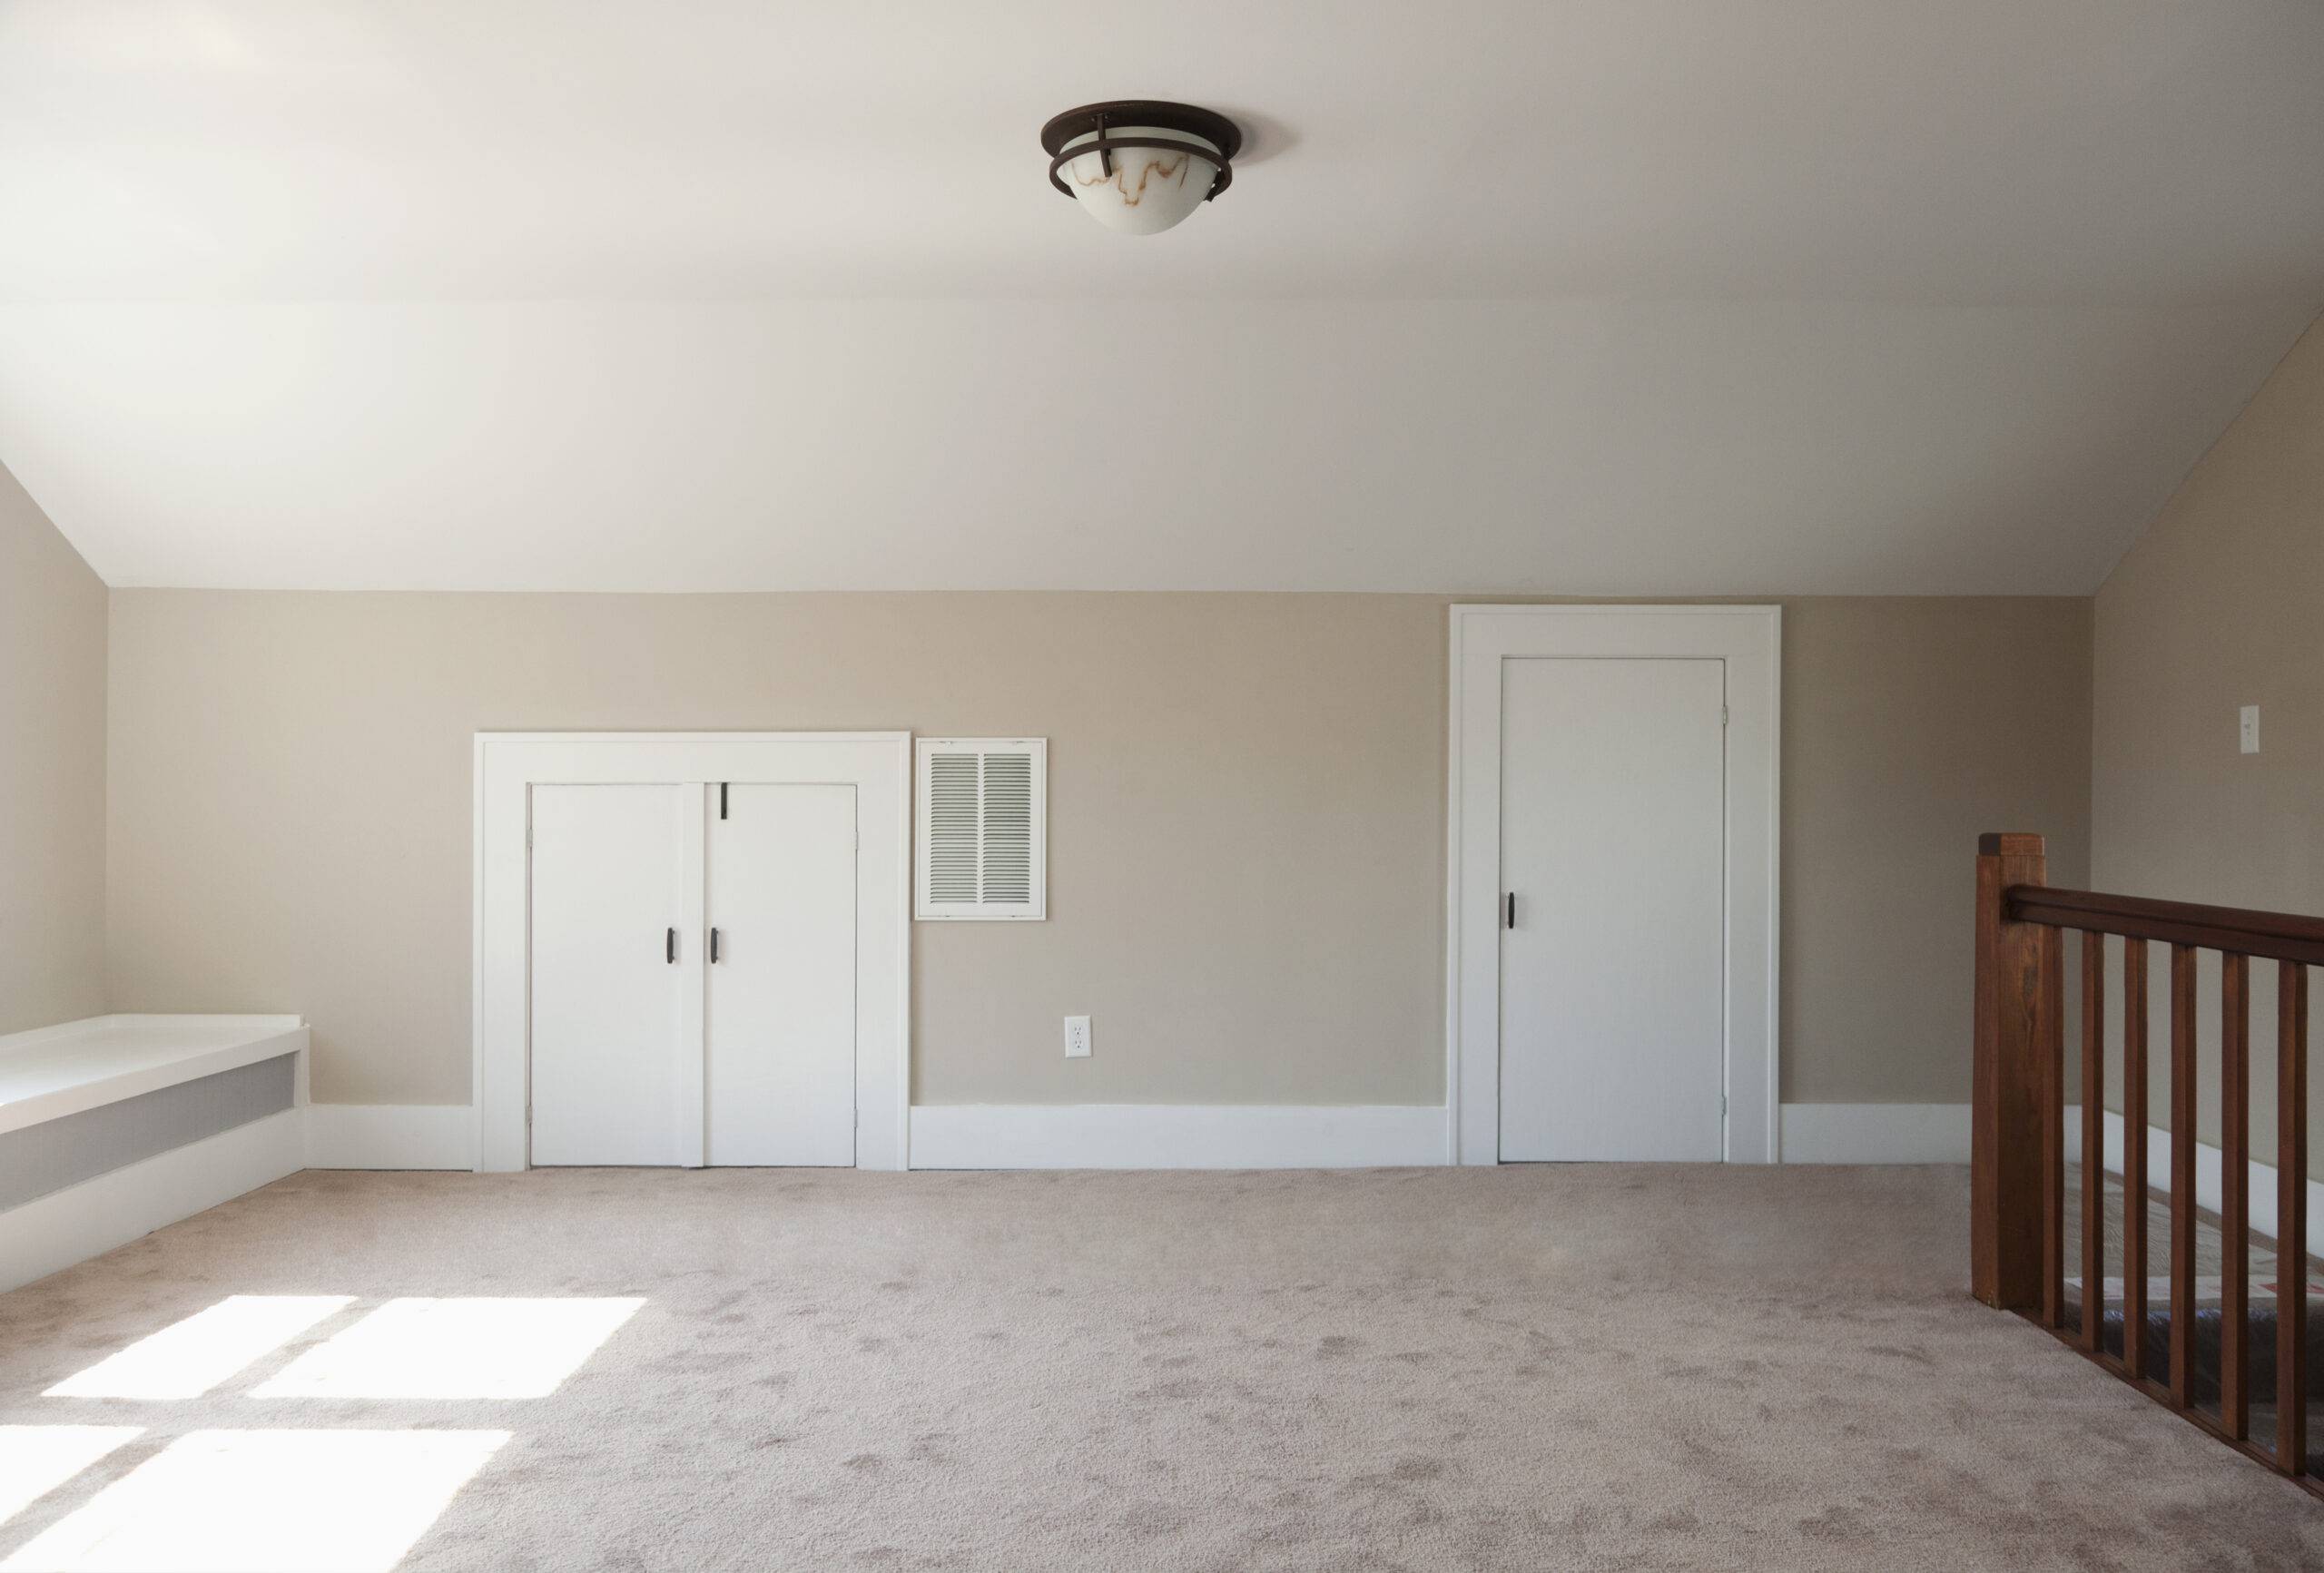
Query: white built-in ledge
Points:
[54, 1071]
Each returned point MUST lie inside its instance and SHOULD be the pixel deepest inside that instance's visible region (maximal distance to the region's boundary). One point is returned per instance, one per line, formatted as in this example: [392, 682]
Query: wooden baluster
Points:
[2094, 1140]
[2051, 1027]
[2007, 1268]
[2134, 1207]
[2292, 1217]
[2182, 1175]
[2235, 1184]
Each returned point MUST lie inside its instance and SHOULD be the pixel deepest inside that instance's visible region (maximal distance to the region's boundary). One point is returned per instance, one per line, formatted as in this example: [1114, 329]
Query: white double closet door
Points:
[694, 977]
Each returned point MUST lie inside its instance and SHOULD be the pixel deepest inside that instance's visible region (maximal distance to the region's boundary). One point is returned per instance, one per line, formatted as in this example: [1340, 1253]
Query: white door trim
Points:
[509, 765]
[1749, 640]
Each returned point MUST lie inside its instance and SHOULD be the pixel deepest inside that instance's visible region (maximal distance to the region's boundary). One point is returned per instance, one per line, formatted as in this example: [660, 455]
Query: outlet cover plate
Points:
[1077, 1037]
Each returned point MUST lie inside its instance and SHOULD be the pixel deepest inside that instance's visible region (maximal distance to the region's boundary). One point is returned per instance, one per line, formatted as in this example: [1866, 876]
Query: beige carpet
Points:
[1525, 1368]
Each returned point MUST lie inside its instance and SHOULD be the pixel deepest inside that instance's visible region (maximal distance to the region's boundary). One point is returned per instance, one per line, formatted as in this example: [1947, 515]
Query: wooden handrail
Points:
[2238, 931]
[2016, 1177]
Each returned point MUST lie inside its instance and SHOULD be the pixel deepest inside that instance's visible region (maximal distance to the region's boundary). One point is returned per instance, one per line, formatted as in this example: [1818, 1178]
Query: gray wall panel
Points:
[49, 1156]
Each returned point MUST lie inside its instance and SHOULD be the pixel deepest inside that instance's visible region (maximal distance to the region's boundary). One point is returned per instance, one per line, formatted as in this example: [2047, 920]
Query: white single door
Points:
[780, 1074]
[610, 940]
[1612, 958]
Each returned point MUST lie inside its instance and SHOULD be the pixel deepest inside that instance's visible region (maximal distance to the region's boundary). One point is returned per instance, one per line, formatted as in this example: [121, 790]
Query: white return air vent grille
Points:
[984, 812]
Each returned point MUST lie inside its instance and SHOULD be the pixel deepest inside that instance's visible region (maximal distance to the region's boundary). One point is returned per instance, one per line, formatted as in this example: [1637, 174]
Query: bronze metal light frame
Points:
[1186, 119]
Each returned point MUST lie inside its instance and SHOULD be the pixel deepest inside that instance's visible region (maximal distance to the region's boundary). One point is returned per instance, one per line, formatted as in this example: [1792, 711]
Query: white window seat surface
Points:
[53, 1071]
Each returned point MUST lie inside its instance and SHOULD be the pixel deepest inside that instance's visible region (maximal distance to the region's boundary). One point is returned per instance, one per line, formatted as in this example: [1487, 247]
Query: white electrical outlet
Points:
[2251, 716]
[1077, 1037]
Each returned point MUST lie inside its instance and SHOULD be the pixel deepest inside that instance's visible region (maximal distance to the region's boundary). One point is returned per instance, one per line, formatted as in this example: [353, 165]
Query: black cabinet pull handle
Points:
[1513, 909]
[669, 944]
[713, 945]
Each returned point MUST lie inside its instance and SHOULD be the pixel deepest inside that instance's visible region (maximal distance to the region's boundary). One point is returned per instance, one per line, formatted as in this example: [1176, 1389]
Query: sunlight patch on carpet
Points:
[36, 1459]
[259, 1502]
[188, 1358]
[469, 1348]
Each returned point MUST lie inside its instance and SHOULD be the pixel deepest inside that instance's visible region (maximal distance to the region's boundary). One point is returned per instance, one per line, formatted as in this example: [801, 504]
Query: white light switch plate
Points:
[1077, 1037]
[2250, 730]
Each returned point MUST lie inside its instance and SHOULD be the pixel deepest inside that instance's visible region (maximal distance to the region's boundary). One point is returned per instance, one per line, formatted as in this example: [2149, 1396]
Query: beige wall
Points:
[1246, 800]
[2221, 605]
[1246, 816]
[1911, 725]
[51, 773]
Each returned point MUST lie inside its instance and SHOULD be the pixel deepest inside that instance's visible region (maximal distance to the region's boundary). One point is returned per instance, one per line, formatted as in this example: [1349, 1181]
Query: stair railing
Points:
[2018, 1243]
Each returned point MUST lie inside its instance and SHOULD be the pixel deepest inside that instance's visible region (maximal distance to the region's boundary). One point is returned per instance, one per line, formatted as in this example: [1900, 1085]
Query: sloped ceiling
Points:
[1682, 298]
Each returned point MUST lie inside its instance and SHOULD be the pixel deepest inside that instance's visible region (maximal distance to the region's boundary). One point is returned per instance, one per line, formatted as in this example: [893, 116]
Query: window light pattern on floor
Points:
[251, 1500]
[188, 1358]
[36, 1459]
[266, 1501]
[455, 1349]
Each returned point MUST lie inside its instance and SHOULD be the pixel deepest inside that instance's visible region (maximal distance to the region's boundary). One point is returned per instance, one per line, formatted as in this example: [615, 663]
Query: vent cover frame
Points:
[1008, 780]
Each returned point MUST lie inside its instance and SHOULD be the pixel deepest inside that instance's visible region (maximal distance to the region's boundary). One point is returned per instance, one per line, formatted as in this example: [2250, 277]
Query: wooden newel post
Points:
[2019, 1020]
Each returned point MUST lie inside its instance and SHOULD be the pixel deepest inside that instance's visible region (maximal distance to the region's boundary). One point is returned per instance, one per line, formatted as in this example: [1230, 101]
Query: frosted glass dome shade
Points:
[1150, 189]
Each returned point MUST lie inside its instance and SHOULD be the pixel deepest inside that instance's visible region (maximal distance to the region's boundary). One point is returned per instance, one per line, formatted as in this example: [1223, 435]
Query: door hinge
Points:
[1722, 716]
[721, 799]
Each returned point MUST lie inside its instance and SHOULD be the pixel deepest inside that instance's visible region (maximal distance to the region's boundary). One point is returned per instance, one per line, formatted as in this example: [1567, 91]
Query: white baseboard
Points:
[1175, 1136]
[1876, 1134]
[1327, 1137]
[52, 1232]
[390, 1136]
[2211, 1169]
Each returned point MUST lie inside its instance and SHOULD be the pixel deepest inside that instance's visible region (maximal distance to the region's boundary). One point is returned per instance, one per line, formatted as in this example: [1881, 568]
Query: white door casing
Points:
[1612, 938]
[1745, 641]
[609, 985]
[780, 1074]
[509, 765]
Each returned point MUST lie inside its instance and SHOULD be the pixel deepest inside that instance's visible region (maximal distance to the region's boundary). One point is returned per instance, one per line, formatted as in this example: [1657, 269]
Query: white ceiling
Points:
[1645, 296]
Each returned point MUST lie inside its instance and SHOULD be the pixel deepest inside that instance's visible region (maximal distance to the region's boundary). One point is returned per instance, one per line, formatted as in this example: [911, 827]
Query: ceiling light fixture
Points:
[1139, 165]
